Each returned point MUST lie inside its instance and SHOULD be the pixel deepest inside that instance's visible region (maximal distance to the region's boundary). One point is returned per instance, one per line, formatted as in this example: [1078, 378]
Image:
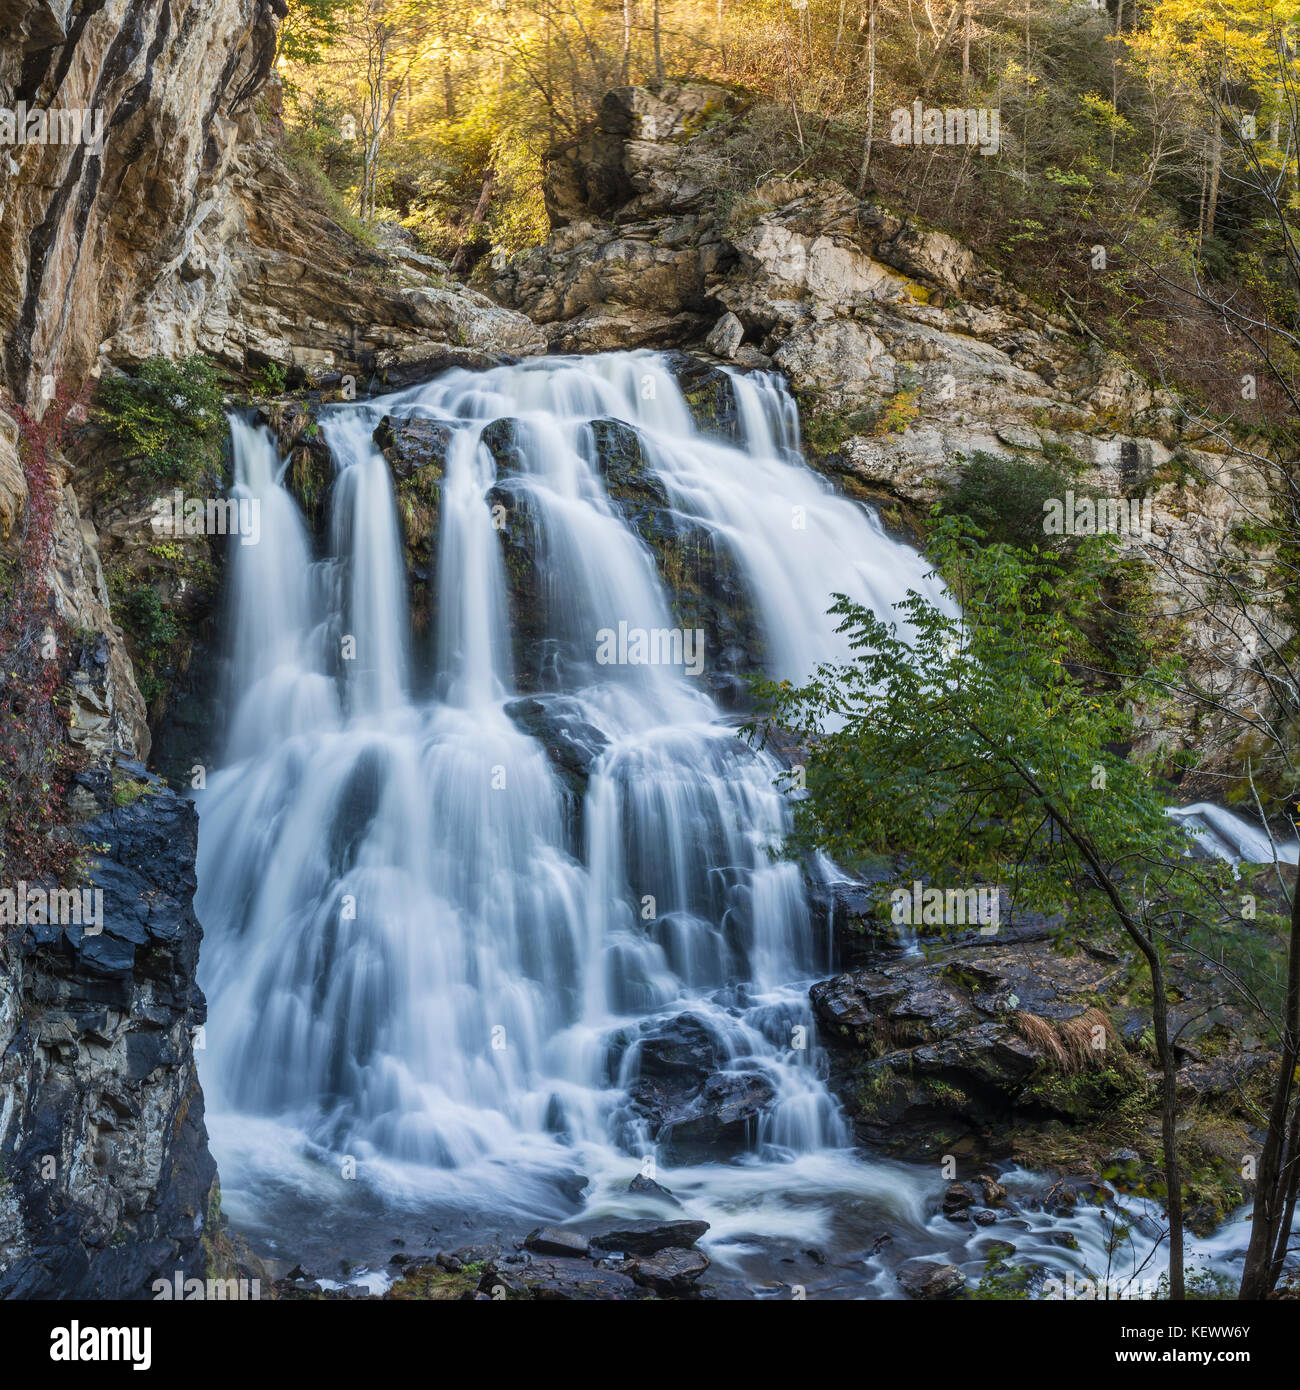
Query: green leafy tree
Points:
[972, 745]
[310, 29]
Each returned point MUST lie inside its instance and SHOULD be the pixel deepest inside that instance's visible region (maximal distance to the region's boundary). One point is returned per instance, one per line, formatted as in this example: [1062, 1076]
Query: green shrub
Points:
[1004, 498]
[153, 631]
[167, 419]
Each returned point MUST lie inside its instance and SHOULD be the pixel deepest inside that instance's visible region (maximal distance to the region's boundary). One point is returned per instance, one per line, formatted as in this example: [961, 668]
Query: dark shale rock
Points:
[555, 1240]
[672, 1273]
[648, 1237]
[554, 1279]
[108, 1183]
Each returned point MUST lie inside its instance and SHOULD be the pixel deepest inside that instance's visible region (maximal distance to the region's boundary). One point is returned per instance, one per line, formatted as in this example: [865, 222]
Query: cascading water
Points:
[417, 956]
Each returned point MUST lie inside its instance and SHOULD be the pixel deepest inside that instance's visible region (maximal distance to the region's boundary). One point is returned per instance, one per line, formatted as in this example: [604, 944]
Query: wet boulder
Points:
[648, 1237]
[682, 1050]
[398, 368]
[554, 1279]
[703, 578]
[711, 395]
[925, 1279]
[719, 1120]
[850, 912]
[506, 441]
[670, 1273]
[537, 655]
[573, 745]
[555, 1240]
[641, 1186]
[957, 1198]
[416, 452]
[620, 459]
[412, 445]
[696, 1109]
[934, 1053]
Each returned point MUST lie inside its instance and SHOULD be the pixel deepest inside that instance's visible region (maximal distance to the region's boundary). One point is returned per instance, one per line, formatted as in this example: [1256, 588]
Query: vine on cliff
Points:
[36, 757]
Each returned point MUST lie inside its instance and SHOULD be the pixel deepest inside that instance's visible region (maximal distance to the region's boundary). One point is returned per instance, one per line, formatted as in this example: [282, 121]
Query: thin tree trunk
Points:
[1114, 80]
[1168, 1123]
[1159, 1027]
[1266, 1216]
[871, 97]
[789, 77]
[1291, 1186]
[625, 65]
[448, 91]
[1216, 162]
[937, 56]
[659, 52]
[460, 259]
[965, 48]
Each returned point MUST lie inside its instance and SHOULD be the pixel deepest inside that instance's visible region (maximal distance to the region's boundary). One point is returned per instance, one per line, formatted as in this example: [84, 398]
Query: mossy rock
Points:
[504, 440]
[309, 477]
[621, 462]
[711, 396]
[414, 446]
[416, 452]
[705, 586]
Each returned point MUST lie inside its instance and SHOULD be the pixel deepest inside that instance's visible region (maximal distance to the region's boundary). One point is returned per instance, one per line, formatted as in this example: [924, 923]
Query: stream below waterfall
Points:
[432, 977]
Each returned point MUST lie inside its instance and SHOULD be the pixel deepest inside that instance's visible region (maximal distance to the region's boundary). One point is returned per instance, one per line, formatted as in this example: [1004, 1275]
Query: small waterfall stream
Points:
[417, 957]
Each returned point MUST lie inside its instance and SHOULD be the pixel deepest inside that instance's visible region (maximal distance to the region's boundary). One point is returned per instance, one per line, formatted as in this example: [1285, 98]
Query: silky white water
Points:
[416, 970]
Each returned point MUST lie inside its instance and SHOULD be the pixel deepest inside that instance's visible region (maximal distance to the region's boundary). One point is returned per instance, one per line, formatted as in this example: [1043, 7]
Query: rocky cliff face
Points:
[107, 1183]
[909, 359]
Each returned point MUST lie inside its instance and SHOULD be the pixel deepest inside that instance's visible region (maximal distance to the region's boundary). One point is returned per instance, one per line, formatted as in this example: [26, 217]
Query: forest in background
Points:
[1162, 134]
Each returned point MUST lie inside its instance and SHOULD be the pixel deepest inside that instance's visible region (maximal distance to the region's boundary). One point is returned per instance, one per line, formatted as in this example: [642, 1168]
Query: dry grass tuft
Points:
[1071, 1046]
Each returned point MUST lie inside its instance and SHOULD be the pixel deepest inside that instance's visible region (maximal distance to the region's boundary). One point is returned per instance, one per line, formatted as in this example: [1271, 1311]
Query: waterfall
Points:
[1223, 835]
[417, 955]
